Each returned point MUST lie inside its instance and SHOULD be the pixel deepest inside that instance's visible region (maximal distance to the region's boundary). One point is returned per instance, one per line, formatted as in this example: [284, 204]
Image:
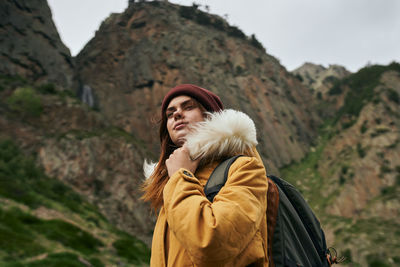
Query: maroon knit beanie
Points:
[210, 101]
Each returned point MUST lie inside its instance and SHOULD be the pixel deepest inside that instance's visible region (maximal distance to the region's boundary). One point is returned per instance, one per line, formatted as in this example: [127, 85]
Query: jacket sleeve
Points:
[221, 230]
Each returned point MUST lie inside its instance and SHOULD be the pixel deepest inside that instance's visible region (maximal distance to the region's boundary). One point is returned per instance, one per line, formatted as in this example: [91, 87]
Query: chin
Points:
[180, 141]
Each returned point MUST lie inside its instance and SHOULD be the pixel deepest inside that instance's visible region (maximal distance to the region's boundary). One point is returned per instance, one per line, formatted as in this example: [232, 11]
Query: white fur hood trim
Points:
[222, 134]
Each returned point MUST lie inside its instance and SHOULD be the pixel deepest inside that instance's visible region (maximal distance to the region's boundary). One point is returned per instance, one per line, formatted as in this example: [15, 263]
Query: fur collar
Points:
[222, 134]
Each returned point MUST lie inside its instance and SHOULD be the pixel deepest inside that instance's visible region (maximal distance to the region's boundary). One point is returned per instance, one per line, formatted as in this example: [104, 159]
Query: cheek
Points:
[200, 117]
[169, 126]
[196, 116]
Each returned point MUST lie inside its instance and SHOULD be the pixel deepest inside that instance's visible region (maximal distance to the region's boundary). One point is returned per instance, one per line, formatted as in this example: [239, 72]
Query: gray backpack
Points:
[295, 237]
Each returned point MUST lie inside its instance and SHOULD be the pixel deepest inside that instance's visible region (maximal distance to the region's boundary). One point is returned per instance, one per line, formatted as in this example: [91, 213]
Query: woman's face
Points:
[182, 112]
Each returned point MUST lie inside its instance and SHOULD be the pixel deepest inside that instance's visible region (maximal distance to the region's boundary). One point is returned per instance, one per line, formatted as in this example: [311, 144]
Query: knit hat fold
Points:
[210, 101]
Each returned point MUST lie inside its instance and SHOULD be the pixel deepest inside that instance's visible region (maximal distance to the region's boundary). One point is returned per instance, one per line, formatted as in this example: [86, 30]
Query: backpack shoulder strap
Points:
[218, 178]
[272, 215]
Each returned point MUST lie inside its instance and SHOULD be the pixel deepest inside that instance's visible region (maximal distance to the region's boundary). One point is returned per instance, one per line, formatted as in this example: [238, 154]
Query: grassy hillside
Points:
[377, 236]
[355, 163]
[45, 223]
[361, 90]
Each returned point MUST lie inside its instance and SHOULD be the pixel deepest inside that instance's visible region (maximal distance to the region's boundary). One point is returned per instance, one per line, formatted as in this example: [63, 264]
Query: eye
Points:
[189, 106]
[169, 114]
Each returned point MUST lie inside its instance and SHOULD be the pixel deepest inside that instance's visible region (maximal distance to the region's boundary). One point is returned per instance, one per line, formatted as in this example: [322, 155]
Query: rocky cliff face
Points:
[321, 81]
[77, 146]
[319, 78]
[30, 44]
[363, 161]
[369, 149]
[137, 56]
[352, 177]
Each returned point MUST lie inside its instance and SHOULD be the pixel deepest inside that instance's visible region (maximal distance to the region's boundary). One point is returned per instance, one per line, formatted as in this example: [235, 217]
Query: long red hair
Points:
[154, 185]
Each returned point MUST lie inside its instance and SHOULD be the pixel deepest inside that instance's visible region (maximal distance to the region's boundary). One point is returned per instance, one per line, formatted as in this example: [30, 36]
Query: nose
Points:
[178, 114]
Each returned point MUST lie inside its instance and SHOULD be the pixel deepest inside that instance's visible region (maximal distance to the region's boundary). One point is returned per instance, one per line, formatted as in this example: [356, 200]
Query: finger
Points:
[178, 150]
[184, 148]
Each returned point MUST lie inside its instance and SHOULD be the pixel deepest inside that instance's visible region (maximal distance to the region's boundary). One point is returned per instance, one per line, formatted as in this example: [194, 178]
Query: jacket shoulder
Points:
[248, 164]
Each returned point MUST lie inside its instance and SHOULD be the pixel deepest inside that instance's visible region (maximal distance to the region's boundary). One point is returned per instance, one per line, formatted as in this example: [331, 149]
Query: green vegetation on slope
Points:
[364, 237]
[202, 18]
[21, 231]
[306, 177]
[26, 240]
[23, 182]
[25, 102]
[361, 84]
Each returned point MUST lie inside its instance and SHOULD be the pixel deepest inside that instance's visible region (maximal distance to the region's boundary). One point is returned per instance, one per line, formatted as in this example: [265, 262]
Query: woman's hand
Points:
[180, 158]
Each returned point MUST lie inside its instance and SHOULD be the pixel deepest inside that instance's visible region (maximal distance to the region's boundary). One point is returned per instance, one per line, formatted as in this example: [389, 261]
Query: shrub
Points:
[254, 42]
[192, 13]
[218, 24]
[239, 70]
[64, 259]
[360, 150]
[397, 168]
[69, 235]
[364, 127]
[393, 96]
[26, 102]
[379, 131]
[345, 168]
[385, 168]
[347, 255]
[236, 32]
[188, 12]
[48, 88]
[342, 180]
[17, 240]
[377, 261]
[203, 18]
[388, 190]
[7, 81]
[132, 249]
[299, 77]
[331, 79]
[335, 90]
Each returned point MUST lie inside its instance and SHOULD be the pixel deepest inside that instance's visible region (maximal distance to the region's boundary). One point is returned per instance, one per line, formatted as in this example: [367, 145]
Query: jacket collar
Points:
[223, 134]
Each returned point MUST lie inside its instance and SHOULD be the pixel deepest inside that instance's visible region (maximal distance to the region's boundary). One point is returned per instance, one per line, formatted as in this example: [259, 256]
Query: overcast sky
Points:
[350, 33]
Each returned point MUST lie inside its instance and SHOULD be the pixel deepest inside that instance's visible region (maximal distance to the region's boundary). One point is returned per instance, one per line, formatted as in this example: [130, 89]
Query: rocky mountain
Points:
[30, 44]
[75, 131]
[352, 176]
[319, 78]
[137, 56]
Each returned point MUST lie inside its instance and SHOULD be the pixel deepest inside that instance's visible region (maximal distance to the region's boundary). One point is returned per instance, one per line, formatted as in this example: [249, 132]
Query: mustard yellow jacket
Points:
[230, 231]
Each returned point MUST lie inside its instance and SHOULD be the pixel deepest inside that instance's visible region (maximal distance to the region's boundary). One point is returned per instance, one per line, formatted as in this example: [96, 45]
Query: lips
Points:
[179, 125]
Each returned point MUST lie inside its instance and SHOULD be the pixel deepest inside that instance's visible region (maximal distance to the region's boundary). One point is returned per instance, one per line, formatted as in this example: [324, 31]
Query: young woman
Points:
[196, 134]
